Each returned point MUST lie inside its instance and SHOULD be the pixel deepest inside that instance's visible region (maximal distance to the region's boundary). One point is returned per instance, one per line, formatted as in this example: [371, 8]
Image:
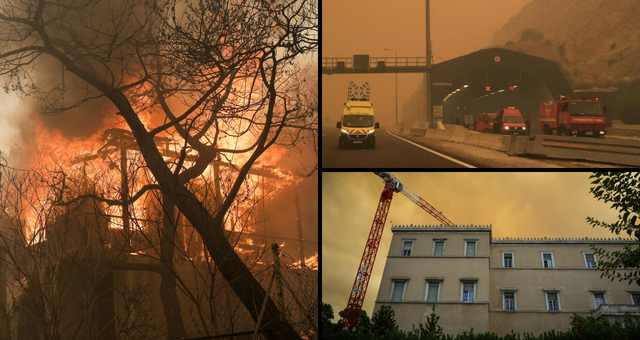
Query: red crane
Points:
[392, 184]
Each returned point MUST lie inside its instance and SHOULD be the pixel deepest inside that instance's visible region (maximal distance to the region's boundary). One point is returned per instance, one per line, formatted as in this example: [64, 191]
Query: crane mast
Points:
[358, 292]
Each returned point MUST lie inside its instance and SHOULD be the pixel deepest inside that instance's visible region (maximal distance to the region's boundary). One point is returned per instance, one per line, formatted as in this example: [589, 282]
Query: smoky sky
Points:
[515, 204]
[368, 27]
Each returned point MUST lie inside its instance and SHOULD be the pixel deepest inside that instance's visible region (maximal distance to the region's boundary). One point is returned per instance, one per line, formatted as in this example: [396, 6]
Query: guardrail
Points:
[618, 151]
[608, 150]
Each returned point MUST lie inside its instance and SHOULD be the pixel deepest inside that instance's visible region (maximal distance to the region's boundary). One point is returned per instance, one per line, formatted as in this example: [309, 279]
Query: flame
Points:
[101, 173]
[309, 262]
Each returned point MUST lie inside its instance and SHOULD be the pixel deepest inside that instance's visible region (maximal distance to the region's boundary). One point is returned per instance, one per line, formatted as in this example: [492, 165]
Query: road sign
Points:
[437, 112]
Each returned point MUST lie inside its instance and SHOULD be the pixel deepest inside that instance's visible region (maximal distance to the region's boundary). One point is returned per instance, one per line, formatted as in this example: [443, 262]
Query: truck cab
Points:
[357, 127]
[484, 122]
[509, 122]
[573, 117]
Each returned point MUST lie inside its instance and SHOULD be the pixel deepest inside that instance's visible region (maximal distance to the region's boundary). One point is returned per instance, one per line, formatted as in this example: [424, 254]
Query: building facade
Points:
[497, 285]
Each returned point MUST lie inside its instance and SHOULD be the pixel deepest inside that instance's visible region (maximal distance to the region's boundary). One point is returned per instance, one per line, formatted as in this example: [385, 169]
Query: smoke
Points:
[22, 114]
[13, 117]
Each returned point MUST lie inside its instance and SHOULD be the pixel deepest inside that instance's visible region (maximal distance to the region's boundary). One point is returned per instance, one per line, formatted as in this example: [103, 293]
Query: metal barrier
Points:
[615, 151]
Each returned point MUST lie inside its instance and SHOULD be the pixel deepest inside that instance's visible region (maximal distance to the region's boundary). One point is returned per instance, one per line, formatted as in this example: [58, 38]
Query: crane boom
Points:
[389, 177]
[358, 292]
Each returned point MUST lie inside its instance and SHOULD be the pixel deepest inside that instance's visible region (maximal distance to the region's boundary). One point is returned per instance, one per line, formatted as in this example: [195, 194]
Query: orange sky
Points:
[368, 27]
[516, 204]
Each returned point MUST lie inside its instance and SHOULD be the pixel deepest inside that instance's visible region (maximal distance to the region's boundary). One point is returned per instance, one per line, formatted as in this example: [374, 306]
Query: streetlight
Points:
[396, 51]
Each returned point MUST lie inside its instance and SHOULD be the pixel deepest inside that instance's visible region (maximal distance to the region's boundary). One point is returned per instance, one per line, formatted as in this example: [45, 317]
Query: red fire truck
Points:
[507, 121]
[484, 122]
[573, 117]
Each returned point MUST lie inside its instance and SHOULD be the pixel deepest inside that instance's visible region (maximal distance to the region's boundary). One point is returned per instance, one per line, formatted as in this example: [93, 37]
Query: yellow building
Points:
[498, 285]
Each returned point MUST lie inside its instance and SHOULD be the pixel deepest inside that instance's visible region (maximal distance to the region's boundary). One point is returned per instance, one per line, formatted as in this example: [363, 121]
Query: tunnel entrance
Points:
[491, 87]
[486, 80]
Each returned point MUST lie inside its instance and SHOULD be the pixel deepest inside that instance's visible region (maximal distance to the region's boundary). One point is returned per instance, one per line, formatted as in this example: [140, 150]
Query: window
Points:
[553, 303]
[635, 298]
[433, 291]
[547, 259]
[509, 301]
[590, 260]
[438, 248]
[397, 290]
[507, 259]
[470, 248]
[598, 299]
[407, 247]
[467, 291]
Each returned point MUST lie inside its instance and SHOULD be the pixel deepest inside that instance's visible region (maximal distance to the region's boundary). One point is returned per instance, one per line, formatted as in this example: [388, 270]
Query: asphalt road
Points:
[390, 152]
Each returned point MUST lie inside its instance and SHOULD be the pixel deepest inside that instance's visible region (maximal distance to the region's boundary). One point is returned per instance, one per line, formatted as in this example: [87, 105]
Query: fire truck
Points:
[484, 122]
[573, 117]
[357, 126]
[507, 121]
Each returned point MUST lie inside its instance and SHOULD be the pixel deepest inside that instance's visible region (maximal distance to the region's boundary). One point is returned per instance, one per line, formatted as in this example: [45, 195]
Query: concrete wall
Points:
[452, 269]
[570, 278]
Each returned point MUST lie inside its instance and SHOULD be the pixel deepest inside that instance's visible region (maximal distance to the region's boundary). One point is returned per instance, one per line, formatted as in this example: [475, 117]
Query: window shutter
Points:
[397, 291]
[471, 249]
[439, 248]
[433, 291]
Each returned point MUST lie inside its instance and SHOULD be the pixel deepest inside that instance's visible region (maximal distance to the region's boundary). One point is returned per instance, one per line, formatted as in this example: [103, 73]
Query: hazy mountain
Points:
[596, 41]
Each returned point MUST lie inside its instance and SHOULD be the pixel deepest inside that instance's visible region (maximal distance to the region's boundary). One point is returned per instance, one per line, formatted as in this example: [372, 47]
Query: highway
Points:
[390, 152]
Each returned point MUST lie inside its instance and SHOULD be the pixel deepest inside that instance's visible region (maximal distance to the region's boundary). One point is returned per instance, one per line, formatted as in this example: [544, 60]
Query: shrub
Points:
[561, 50]
[531, 34]
[592, 328]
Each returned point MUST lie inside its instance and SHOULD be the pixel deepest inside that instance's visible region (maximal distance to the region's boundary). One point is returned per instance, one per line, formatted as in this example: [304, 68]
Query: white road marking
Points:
[432, 151]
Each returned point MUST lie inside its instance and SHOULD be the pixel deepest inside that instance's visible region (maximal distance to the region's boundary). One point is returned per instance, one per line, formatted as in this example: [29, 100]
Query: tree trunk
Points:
[169, 296]
[210, 228]
[244, 284]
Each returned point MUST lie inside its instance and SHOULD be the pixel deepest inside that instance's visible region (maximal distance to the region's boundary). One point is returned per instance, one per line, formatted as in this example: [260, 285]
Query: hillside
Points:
[596, 41]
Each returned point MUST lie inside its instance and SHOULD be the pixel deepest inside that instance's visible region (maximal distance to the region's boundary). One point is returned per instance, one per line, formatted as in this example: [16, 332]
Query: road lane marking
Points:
[432, 151]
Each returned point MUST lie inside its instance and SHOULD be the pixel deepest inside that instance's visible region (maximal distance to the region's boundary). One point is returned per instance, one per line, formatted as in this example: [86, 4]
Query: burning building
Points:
[95, 249]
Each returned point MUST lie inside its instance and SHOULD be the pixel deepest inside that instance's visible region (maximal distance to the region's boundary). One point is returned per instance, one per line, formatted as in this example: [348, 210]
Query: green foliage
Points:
[327, 313]
[591, 328]
[364, 323]
[432, 327]
[620, 189]
[588, 328]
[384, 321]
[531, 34]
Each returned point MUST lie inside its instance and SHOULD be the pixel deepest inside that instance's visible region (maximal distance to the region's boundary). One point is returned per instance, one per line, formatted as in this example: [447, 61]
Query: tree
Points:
[327, 313]
[531, 34]
[384, 321]
[221, 76]
[432, 327]
[364, 323]
[621, 190]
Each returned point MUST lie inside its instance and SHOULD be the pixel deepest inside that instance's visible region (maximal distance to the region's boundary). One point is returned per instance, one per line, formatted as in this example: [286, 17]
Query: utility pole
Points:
[396, 64]
[429, 104]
